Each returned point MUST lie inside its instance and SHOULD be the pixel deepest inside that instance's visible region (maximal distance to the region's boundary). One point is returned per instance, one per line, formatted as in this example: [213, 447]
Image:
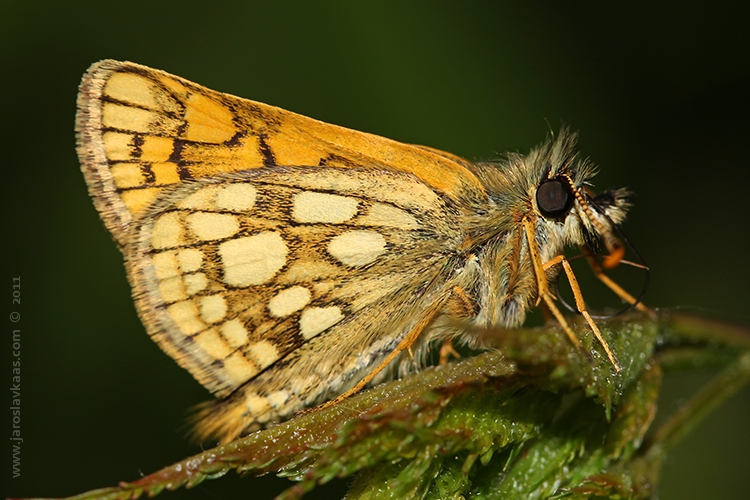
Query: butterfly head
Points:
[564, 205]
[551, 187]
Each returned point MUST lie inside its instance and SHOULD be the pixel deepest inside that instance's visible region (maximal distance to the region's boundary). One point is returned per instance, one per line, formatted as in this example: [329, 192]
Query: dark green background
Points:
[660, 95]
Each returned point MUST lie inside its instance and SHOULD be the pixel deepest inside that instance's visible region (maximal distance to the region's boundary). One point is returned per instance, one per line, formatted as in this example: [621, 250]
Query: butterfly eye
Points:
[554, 198]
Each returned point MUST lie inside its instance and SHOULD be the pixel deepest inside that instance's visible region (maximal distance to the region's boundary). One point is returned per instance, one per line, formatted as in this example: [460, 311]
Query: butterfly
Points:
[284, 261]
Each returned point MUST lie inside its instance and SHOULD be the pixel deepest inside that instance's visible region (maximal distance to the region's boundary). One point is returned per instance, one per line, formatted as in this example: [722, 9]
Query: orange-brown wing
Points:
[141, 131]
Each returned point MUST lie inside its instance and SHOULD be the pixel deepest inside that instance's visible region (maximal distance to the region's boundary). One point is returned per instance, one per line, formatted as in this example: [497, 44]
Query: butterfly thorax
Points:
[507, 288]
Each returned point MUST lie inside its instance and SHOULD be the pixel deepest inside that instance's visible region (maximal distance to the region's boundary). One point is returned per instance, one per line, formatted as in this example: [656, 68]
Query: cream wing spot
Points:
[253, 260]
[317, 319]
[127, 175]
[239, 368]
[213, 308]
[236, 197]
[288, 301]
[211, 226]
[201, 199]
[323, 287]
[308, 270]
[172, 290]
[185, 315]
[212, 344]
[122, 117]
[264, 353]
[235, 333]
[190, 260]
[117, 146]
[381, 214]
[127, 87]
[256, 405]
[310, 206]
[402, 190]
[167, 231]
[165, 265]
[358, 247]
[195, 283]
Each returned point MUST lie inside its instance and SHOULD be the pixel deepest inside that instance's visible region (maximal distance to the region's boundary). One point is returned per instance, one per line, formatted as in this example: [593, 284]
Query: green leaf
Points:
[531, 418]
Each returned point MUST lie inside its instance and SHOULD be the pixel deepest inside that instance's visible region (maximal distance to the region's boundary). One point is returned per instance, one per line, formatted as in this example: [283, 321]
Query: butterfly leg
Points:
[581, 304]
[547, 297]
[447, 350]
[405, 344]
[610, 283]
[459, 306]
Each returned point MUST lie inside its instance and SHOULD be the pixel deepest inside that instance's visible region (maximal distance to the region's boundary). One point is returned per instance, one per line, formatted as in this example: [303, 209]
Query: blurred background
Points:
[661, 97]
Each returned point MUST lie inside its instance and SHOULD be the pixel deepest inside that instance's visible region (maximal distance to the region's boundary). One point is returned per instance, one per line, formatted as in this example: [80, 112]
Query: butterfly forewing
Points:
[143, 131]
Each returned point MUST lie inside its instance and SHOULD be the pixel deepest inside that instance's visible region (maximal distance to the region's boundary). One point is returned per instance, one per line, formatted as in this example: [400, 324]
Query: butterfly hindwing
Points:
[235, 273]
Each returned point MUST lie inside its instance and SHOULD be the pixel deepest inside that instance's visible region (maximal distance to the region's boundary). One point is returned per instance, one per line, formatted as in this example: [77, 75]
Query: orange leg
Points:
[404, 345]
[581, 306]
[458, 306]
[543, 286]
[447, 350]
[617, 289]
[599, 273]
[546, 296]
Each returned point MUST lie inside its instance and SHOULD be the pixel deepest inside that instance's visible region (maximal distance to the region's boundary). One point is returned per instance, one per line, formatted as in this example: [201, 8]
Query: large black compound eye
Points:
[554, 198]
